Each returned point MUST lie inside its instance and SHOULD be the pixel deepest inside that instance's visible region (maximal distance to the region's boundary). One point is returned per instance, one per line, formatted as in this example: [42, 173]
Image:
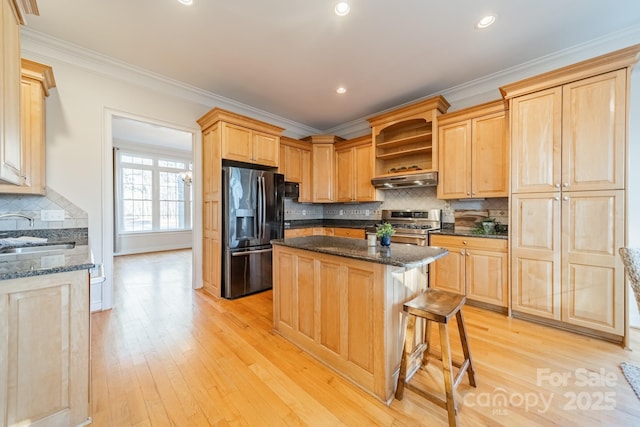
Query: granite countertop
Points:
[19, 265]
[398, 254]
[468, 233]
[344, 223]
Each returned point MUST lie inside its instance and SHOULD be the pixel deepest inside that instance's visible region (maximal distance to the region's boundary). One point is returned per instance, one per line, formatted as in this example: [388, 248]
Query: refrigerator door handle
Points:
[264, 208]
[260, 208]
[247, 253]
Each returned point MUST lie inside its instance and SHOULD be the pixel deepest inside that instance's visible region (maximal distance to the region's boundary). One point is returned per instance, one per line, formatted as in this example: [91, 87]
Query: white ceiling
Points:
[287, 57]
[142, 132]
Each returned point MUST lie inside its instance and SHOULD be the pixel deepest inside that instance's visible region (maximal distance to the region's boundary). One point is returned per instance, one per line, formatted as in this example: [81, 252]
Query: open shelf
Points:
[423, 137]
[402, 153]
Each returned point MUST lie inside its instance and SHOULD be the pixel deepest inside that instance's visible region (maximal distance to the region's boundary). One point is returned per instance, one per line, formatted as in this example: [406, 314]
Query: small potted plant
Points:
[489, 225]
[384, 232]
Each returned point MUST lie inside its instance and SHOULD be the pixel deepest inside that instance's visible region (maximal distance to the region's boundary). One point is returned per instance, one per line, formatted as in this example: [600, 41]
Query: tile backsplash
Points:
[32, 206]
[421, 198]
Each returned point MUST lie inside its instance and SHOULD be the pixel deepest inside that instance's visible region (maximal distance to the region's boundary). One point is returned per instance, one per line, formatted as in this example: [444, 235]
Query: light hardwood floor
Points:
[168, 355]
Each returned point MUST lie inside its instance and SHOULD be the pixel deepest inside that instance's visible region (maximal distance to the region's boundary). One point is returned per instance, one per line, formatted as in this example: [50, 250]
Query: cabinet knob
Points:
[464, 242]
[565, 198]
[468, 194]
[557, 185]
[557, 198]
[473, 193]
[565, 185]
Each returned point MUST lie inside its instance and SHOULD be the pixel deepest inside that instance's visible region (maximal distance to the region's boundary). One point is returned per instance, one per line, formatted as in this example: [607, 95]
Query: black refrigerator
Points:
[253, 215]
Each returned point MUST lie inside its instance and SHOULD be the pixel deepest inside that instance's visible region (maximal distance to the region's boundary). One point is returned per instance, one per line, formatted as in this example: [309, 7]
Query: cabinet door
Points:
[44, 350]
[364, 171]
[489, 156]
[447, 273]
[486, 276]
[332, 302]
[10, 142]
[291, 163]
[265, 149]
[306, 182]
[323, 173]
[592, 275]
[593, 133]
[236, 143]
[535, 254]
[535, 141]
[344, 175]
[454, 181]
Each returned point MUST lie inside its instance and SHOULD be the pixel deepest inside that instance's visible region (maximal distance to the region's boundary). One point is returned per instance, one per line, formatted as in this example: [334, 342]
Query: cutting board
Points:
[469, 218]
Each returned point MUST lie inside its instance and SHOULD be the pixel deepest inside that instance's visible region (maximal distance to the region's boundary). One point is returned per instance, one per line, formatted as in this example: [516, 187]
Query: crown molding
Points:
[44, 48]
[483, 89]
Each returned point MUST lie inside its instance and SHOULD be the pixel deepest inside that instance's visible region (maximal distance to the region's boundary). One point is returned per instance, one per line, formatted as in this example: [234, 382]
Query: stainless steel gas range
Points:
[412, 227]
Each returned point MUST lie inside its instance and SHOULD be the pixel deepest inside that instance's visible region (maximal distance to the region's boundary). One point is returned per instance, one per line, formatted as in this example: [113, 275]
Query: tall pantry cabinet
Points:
[568, 155]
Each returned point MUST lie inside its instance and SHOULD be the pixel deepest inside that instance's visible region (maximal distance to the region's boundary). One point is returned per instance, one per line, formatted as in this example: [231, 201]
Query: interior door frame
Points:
[107, 222]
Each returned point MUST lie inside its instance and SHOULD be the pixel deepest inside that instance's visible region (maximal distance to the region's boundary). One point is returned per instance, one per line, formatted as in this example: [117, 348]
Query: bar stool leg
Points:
[408, 347]
[465, 347]
[448, 374]
[427, 341]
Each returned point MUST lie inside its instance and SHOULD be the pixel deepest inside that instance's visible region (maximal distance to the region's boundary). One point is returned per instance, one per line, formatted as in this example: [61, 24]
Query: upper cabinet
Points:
[247, 140]
[474, 152]
[37, 80]
[323, 170]
[354, 170]
[295, 165]
[405, 139]
[10, 142]
[568, 127]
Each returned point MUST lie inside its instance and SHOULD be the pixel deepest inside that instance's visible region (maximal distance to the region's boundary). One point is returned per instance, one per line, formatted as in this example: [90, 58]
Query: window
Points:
[153, 194]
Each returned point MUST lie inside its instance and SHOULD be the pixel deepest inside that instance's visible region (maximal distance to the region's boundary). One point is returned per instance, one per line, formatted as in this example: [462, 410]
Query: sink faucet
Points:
[19, 215]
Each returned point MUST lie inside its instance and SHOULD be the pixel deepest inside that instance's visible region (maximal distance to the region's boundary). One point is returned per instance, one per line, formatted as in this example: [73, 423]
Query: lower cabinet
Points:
[475, 267]
[44, 350]
[356, 233]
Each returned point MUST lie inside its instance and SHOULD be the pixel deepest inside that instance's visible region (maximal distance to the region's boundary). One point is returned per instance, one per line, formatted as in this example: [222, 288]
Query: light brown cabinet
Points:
[10, 141]
[474, 152]
[250, 146]
[568, 144]
[552, 133]
[221, 130]
[295, 164]
[37, 80]
[406, 138]
[323, 167]
[354, 170]
[44, 350]
[355, 233]
[475, 267]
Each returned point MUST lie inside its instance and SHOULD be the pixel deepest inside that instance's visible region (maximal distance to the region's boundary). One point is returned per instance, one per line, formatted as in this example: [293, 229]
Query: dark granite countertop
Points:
[18, 265]
[466, 233]
[344, 223]
[398, 254]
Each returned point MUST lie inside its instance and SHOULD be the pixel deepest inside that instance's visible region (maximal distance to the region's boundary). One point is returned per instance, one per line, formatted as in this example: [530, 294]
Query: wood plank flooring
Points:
[170, 356]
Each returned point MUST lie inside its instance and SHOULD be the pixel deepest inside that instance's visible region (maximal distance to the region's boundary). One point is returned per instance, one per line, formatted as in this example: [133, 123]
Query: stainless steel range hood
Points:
[426, 179]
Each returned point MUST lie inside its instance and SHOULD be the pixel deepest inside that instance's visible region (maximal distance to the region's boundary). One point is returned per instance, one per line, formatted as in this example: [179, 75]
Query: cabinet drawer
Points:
[356, 233]
[499, 245]
[297, 232]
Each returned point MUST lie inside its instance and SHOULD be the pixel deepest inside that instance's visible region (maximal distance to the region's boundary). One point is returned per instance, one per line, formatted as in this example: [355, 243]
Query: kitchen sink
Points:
[36, 249]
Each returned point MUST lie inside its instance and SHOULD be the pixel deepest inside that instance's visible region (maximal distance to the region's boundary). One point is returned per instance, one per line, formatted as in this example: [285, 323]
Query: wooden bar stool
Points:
[435, 306]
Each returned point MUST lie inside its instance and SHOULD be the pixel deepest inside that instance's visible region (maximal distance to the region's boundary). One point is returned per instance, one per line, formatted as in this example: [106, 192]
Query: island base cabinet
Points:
[345, 312]
[44, 350]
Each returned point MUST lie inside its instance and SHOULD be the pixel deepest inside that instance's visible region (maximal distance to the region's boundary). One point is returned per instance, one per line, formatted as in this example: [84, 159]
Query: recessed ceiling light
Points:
[186, 2]
[342, 8]
[341, 90]
[486, 21]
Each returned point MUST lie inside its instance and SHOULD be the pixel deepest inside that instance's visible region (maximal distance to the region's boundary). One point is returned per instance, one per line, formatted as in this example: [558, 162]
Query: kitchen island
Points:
[341, 301]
